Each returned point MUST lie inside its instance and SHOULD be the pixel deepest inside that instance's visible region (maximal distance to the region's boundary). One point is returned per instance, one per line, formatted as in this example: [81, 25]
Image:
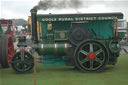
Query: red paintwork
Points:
[91, 56]
[22, 52]
[10, 48]
[4, 25]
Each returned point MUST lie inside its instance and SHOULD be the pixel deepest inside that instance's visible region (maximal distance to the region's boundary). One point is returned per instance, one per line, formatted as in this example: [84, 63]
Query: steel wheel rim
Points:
[87, 63]
[10, 50]
[22, 66]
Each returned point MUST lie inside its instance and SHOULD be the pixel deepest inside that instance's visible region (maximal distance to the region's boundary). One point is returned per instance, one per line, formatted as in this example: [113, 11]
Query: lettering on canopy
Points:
[80, 18]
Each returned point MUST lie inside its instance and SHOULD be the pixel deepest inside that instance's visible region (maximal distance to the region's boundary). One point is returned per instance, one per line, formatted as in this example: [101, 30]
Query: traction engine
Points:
[86, 41]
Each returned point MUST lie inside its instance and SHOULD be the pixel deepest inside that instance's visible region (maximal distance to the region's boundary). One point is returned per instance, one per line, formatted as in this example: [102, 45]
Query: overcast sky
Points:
[21, 8]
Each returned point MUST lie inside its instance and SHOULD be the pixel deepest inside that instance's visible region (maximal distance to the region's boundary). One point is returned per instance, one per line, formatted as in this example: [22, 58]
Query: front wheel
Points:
[91, 56]
[22, 62]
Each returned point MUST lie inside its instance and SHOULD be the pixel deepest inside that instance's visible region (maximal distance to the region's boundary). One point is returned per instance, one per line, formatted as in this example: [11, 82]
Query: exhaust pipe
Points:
[34, 25]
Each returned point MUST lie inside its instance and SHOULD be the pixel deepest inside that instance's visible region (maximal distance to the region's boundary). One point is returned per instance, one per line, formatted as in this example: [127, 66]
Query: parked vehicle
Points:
[86, 41]
[7, 27]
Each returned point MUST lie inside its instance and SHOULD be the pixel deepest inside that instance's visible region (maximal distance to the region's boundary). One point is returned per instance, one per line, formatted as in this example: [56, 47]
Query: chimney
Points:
[34, 25]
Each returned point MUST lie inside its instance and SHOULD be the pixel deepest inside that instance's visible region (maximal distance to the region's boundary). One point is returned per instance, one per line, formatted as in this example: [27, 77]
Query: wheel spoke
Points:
[84, 52]
[91, 64]
[16, 61]
[10, 47]
[24, 66]
[91, 47]
[98, 60]
[21, 66]
[28, 62]
[98, 52]
[84, 60]
[9, 57]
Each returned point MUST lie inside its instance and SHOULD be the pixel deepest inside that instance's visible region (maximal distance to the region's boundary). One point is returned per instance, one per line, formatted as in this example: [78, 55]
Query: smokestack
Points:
[34, 25]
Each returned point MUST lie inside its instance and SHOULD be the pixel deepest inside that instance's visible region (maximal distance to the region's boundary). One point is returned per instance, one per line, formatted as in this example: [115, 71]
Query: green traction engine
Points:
[88, 42]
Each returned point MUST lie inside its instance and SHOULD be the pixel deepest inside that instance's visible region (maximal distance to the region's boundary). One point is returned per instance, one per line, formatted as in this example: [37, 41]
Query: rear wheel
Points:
[91, 56]
[6, 51]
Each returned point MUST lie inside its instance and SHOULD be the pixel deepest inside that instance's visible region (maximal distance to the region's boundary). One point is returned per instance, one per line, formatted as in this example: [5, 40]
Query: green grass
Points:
[112, 75]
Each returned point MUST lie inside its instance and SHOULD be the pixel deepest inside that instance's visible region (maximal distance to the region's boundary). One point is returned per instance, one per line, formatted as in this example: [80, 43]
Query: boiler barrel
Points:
[49, 47]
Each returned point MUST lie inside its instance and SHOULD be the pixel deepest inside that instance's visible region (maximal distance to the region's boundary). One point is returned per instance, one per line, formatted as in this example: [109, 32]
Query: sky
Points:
[21, 8]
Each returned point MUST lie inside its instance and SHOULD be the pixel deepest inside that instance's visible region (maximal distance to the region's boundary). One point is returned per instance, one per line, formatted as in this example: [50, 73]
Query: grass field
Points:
[112, 75]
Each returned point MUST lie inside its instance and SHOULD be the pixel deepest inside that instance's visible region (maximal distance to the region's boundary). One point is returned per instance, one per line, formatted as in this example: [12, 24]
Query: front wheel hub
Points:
[91, 56]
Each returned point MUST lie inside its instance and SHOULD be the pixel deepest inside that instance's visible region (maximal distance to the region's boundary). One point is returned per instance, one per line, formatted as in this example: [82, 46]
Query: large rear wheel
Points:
[91, 56]
[6, 51]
